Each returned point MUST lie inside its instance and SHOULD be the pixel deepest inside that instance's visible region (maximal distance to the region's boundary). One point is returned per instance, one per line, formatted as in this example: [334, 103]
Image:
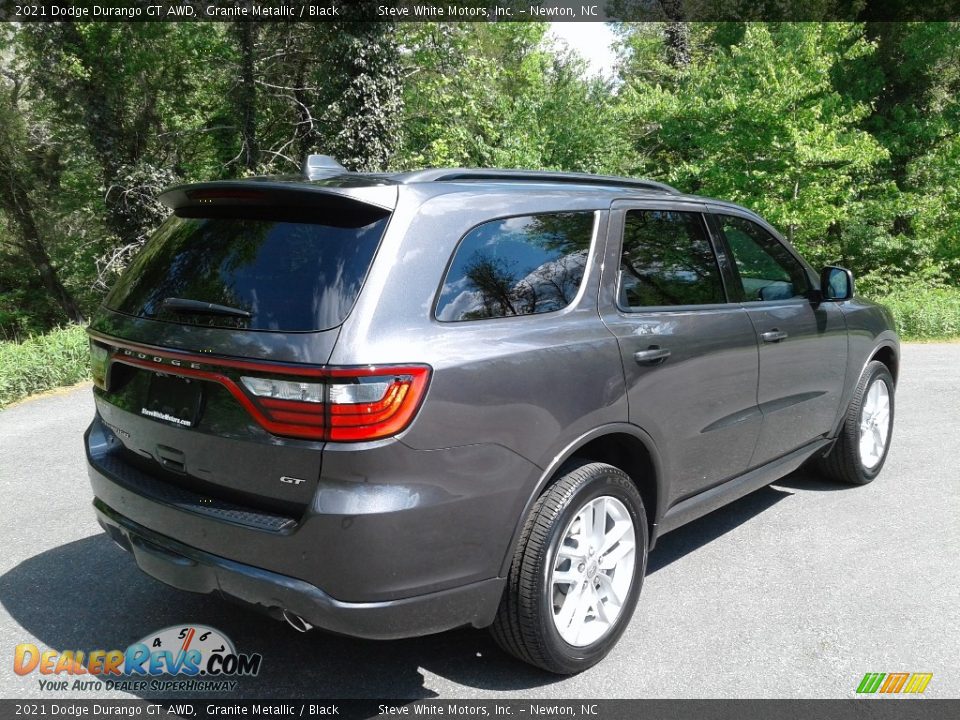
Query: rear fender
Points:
[550, 472]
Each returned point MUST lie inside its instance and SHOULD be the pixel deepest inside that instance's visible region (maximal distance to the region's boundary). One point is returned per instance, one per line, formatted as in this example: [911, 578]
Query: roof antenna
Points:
[319, 166]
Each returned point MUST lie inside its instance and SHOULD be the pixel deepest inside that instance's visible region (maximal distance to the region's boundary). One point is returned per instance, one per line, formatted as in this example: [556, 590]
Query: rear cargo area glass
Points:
[289, 276]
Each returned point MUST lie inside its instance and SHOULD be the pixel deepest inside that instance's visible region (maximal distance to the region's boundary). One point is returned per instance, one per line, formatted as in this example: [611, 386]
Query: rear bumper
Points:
[417, 552]
[187, 568]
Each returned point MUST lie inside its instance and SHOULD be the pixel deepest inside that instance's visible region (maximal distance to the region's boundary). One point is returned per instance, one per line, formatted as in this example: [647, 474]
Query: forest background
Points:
[845, 136]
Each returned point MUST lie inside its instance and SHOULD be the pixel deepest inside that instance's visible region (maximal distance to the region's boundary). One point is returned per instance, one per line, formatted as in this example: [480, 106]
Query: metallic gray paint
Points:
[404, 523]
[510, 400]
[190, 569]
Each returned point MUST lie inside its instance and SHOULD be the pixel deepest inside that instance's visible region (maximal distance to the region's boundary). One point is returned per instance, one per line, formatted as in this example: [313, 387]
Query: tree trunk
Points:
[246, 96]
[105, 123]
[678, 44]
[676, 34]
[19, 210]
[33, 247]
[304, 132]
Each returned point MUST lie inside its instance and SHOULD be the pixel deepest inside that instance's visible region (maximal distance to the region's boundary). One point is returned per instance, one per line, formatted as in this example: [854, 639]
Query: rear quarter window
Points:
[516, 266]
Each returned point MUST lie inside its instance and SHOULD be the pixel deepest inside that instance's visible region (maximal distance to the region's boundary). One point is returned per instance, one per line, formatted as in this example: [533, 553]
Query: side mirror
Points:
[836, 283]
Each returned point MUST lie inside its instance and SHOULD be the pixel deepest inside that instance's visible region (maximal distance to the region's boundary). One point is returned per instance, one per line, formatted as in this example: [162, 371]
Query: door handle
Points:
[772, 336]
[653, 355]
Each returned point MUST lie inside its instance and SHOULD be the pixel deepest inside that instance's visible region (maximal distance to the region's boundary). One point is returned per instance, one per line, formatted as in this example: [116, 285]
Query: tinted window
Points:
[767, 269]
[667, 259]
[517, 266]
[290, 276]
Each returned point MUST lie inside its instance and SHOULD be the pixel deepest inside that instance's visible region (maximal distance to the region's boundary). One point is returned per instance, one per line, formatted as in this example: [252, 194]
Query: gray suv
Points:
[388, 405]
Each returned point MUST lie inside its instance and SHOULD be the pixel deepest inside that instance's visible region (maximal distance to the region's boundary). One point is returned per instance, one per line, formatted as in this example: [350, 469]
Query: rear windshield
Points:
[281, 276]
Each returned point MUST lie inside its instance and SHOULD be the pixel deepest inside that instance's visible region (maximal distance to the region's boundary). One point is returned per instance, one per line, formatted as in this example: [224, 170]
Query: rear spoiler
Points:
[343, 195]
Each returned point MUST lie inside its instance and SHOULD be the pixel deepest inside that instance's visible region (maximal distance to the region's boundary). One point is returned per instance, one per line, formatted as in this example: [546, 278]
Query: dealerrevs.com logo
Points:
[203, 656]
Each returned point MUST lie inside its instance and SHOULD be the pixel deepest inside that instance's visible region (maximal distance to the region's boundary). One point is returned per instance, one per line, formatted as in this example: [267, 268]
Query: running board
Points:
[716, 497]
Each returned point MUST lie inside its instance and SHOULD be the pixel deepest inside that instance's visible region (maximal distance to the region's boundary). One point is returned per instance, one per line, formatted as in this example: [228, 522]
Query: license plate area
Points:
[174, 400]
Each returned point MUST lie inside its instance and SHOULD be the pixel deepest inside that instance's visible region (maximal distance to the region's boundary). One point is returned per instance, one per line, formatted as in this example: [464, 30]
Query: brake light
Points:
[347, 404]
[343, 404]
[213, 194]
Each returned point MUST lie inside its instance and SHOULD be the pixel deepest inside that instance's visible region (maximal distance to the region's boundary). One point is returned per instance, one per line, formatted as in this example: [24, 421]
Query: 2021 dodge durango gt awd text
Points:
[389, 405]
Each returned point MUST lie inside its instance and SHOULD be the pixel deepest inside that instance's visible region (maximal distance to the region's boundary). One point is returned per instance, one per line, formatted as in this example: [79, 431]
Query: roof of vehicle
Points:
[328, 170]
[322, 173]
[479, 177]
[497, 178]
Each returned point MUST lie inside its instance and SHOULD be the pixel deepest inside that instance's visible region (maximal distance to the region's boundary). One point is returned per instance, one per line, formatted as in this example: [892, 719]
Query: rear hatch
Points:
[209, 353]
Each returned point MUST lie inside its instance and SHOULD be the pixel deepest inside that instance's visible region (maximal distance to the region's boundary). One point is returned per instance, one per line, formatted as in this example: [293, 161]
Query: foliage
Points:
[61, 357]
[845, 135]
[924, 313]
[366, 104]
[26, 307]
[494, 96]
[761, 124]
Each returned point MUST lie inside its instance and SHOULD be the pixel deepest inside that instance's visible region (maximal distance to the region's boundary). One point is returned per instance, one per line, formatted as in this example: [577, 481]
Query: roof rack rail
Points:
[494, 174]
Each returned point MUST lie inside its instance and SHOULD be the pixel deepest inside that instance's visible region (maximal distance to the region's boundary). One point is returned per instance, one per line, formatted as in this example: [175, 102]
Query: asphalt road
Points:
[794, 591]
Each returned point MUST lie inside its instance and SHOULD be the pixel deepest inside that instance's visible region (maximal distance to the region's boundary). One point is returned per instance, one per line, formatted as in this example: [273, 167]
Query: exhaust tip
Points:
[296, 622]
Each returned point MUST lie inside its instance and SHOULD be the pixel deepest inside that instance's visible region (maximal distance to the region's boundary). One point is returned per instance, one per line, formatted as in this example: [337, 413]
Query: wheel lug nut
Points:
[581, 567]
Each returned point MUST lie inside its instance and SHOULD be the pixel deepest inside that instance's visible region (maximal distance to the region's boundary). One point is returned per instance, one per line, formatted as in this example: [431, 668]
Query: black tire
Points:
[843, 462]
[524, 626]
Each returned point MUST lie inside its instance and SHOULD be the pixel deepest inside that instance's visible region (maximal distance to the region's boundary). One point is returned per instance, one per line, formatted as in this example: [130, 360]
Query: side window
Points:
[667, 259]
[517, 266]
[767, 269]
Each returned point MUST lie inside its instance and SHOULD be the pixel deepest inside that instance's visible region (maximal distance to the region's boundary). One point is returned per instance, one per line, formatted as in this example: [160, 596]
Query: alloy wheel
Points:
[593, 571]
[874, 424]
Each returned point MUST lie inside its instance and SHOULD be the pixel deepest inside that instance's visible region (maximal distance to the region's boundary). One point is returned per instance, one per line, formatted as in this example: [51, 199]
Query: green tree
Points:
[364, 94]
[298, 88]
[496, 95]
[761, 123]
[913, 82]
[20, 197]
[116, 88]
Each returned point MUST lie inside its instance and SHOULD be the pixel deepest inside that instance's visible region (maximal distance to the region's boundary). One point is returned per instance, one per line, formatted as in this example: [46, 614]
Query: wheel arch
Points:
[888, 354]
[885, 349]
[622, 445]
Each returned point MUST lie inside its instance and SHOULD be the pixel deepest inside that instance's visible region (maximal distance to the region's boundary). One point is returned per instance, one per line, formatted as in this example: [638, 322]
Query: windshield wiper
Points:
[198, 307]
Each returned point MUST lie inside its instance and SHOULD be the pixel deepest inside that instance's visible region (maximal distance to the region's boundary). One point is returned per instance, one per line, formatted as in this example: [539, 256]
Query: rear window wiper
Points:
[184, 305]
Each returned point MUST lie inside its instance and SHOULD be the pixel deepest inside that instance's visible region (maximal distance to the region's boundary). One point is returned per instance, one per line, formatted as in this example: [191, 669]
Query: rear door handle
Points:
[772, 336]
[652, 355]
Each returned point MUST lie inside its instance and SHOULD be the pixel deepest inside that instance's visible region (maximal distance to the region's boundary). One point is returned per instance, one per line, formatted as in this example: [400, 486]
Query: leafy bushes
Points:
[923, 313]
[61, 357]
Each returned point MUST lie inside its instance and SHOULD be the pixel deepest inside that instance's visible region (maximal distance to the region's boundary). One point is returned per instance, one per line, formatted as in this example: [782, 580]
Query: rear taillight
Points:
[342, 404]
[345, 404]
[99, 361]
